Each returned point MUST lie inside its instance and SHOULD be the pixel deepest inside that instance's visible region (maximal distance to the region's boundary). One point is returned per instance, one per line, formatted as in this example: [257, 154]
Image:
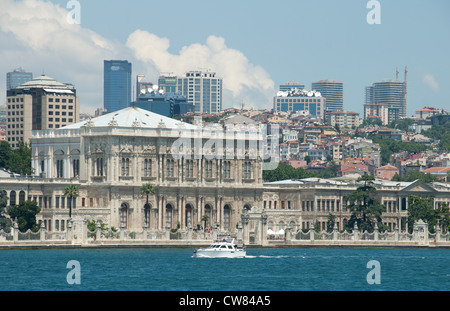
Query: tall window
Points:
[59, 168]
[12, 198]
[226, 217]
[99, 166]
[189, 168]
[169, 168]
[247, 170]
[125, 167]
[147, 167]
[208, 168]
[188, 217]
[168, 216]
[226, 169]
[76, 167]
[123, 215]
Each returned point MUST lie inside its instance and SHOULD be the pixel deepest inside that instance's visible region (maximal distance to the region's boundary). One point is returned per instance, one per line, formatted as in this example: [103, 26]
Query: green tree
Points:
[365, 207]
[147, 190]
[205, 218]
[330, 223]
[443, 214]
[421, 208]
[20, 159]
[5, 221]
[71, 191]
[25, 214]
[5, 154]
[413, 175]
[444, 143]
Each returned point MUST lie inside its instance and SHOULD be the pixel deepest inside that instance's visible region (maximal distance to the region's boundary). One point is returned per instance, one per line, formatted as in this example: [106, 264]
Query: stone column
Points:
[355, 232]
[438, 232]
[122, 232]
[245, 233]
[15, 232]
[145, 231]
[98, 232]
[311, 232]
[42, 232]
[263, 228]
[69, 232]
[335, 232]
[396, 236]
[375, 232]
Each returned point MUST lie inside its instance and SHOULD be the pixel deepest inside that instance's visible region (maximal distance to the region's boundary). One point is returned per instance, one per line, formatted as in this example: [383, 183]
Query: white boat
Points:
[222, 249]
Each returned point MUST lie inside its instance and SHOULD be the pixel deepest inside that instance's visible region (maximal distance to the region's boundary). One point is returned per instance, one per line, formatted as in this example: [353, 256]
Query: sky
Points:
[253, 45]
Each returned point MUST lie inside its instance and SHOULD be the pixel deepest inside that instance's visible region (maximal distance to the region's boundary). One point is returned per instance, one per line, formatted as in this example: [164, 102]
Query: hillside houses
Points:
[303, 140]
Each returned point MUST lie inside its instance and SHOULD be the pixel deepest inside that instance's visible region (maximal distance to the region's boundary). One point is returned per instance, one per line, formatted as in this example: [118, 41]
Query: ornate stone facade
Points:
[194, 172]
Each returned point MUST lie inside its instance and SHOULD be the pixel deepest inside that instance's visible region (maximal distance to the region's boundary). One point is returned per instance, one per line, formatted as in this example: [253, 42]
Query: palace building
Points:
[201, 178]
[110, 157]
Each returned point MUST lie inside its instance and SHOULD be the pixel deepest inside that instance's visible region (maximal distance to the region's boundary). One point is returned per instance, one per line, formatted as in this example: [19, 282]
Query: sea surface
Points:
[264, 269]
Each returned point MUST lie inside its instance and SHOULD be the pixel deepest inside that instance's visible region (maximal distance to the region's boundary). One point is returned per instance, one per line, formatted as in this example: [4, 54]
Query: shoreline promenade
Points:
[78, 236]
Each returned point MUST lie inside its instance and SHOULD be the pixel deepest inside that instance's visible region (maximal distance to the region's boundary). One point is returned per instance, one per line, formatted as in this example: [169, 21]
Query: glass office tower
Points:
[333, 92]
[117, 84]
[17, 77]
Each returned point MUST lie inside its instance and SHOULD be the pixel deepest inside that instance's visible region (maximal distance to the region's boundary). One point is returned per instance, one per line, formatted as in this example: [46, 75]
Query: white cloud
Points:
[242, 80]
[431, 82]
[36, 36]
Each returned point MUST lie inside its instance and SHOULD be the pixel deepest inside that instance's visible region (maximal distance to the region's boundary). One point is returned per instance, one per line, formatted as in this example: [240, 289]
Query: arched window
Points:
[226, 217]
[168, 216]
[123, 215]
[208, 214]
[21, 196]
[12, 198]
[188, 216]
[99, 166]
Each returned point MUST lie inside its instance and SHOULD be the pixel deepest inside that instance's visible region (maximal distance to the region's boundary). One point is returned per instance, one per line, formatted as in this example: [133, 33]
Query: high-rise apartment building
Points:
[203, 90]
[291, 85]
[391, 92]
[142, 85]
[17, 77]
[117, 85]
[333, 92]
[303, 100]
[39, 104]
[168, 83]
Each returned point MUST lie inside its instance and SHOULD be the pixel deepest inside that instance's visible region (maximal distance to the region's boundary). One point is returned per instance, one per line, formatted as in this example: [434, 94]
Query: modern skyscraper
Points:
[391, 92]
[39, 104]
[117, 84]
[291, 85]
[333, 92]
[17, 77]
[203, 90]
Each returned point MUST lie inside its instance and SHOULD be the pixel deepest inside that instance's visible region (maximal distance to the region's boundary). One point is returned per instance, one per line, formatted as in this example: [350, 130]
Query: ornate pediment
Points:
[419, 186]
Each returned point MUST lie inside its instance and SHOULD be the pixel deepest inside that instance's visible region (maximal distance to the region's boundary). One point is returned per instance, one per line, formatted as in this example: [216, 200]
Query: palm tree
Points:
[71, 191]
[147, 189]
[205, 218]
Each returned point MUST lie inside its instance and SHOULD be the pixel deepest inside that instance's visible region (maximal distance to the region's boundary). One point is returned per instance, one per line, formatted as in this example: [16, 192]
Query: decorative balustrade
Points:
[82, 235]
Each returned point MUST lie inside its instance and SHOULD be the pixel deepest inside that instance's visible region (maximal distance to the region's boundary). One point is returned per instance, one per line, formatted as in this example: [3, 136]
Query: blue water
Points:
[272, 269]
